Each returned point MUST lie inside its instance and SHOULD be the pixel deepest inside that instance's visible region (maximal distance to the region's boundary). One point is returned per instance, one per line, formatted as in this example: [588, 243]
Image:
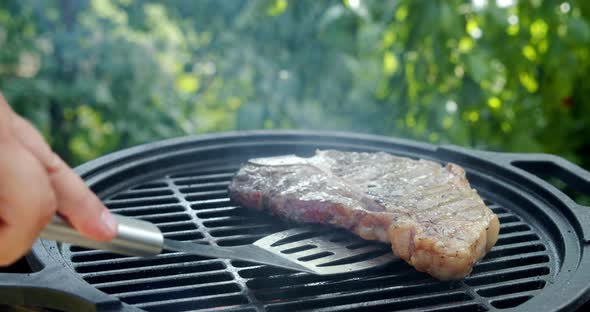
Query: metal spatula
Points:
[312, 249]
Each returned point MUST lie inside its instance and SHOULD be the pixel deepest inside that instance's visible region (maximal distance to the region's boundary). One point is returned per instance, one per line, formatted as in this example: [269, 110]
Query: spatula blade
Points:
[326, 250]
[312, 249]
[250, 253]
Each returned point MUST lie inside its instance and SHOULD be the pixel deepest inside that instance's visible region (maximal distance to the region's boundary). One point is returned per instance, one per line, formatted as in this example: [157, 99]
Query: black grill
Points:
[181, 186]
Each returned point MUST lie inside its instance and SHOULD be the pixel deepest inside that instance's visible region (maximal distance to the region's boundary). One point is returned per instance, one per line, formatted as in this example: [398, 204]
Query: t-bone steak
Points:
[429, 213]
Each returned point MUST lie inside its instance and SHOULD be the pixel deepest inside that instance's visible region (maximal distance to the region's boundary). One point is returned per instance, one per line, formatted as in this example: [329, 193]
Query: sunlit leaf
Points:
[388, 38]
[472, 116]
[106, 9]
[543, 45]
[390, 63]
[234, 102]
[528, 81]
[539, 29]
[529, 52]
[410, 121]
[506, 127]
[447, 122]
[277, 8]
[401, 13]
[494, 103]
[187, 83]
[465, 44]
[513, 30]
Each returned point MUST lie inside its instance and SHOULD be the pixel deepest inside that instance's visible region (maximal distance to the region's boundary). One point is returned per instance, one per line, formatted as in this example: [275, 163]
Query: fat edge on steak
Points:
[429, 213]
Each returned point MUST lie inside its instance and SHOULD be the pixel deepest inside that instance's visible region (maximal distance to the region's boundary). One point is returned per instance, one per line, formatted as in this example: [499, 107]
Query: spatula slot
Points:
[316, 256]
[298, 249]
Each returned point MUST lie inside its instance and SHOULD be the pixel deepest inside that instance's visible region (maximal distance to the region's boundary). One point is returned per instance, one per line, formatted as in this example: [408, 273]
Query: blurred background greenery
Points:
[96, 76]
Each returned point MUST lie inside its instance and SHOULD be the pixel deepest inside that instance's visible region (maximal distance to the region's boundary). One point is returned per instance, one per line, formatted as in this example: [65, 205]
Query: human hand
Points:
[35, 184]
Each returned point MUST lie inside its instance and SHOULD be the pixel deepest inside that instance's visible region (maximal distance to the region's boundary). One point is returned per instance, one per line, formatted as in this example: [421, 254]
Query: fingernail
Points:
[109, 221]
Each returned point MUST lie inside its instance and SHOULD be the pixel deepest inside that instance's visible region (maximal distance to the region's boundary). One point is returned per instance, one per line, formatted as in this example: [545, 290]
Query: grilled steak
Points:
[429, 213]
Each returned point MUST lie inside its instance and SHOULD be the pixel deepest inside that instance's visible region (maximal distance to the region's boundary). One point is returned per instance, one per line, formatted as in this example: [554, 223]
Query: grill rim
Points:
[44, 252]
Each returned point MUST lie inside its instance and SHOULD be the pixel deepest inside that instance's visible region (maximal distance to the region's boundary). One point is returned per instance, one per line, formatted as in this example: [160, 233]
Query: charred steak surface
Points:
[429, 213]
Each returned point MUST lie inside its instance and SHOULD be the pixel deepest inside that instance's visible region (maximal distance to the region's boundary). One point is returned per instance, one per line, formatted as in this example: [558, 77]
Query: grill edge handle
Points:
[134, 237]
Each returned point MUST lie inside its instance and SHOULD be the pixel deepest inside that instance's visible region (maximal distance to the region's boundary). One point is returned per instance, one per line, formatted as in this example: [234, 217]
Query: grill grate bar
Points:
[190, 304]
[362, 302]
[161, 270]
[146, 201]
[302, 292]
[514, 238]
[192, 189]
[148, 210]
[137, 194]
[207, 202]
[505, 214]
[518, 248]
[228, 221]
[501, 271]
[161, 218]
[236, 308]
[174, 232]
[222, 211]
[530, 284]
[139, 261]
[226, 175]
[506, 236]
[511, 258]
[172, 293]
[200, 186]
[149, 292]
[513, 223]
[80, 251]
[148, 191]
[465, 306]
[203, 195]
[211, 169]
[218, 211]
[510, 300]
[163, 282]
[516, 262]
[468, 306]
[263, 277]
[491, 278]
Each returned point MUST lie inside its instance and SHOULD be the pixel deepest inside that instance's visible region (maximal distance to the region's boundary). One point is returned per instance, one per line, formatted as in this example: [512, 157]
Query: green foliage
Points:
[96, 76]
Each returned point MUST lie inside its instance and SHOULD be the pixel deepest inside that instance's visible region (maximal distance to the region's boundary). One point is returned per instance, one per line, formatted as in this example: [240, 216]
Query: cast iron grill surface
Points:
[194, 206]
[181, 186]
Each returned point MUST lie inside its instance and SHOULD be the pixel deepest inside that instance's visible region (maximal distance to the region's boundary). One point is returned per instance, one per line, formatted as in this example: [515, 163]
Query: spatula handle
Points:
[134, 237]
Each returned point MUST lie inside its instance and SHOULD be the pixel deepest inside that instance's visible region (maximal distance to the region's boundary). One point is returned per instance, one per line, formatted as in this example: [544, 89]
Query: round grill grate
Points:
[194, 207]
[539, 262]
